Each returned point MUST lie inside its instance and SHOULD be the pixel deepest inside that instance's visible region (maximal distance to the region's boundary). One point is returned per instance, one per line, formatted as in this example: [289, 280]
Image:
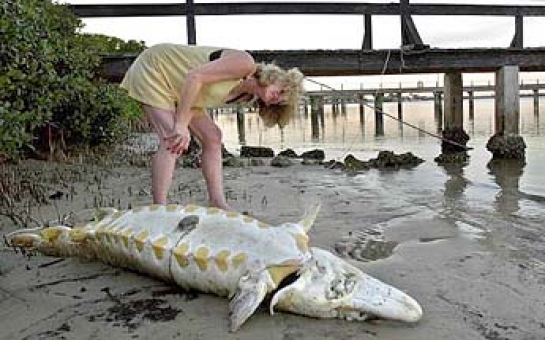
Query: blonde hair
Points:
[292, 82]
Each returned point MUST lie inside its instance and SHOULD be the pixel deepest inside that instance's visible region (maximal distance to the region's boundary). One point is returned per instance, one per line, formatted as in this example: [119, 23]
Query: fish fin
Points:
[281, 295]
[252, 291]
[102, 213]
[310, 215]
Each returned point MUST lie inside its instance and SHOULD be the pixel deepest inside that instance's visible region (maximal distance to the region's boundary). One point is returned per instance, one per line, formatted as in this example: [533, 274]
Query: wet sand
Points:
[478, 273]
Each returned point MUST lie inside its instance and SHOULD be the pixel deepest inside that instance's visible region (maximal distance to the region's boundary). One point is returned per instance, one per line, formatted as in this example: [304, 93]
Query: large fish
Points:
[231, 255]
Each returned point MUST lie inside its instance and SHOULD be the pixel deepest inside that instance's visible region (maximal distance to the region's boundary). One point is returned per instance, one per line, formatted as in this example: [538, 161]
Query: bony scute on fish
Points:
[222, 252]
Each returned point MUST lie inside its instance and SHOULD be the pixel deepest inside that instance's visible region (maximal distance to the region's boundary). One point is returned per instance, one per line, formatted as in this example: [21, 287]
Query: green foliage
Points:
[49, 76]
[103, 44]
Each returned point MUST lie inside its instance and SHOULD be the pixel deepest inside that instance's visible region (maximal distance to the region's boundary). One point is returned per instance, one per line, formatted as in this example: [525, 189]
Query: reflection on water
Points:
[482, 194]
[351, 129]
[507, 174]
[456, 184]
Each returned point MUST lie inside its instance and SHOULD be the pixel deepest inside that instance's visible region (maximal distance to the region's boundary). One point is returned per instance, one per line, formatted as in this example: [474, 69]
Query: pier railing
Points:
[404, 9]
[415, 56]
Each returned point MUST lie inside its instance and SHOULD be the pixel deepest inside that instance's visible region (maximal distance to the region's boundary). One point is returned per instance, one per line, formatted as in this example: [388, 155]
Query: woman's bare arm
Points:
[232, 64]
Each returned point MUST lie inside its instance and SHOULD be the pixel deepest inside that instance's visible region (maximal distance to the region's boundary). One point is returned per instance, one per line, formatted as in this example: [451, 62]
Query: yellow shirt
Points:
[158, 75]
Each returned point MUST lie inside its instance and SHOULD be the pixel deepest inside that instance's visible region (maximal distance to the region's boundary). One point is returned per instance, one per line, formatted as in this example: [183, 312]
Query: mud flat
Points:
[478, 273]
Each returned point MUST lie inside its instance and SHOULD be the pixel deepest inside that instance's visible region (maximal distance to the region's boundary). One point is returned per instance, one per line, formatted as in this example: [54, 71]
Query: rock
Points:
[225, 153]
[458, 136]
[333, 164]
[256, 151]
[452, 158]
[388, 159]
[281, 162]
[234, 162]
[288, 153]
[508, 146]
[256, 162]
[190, 161]
[353, 164]
[314, 154]
[309, 161]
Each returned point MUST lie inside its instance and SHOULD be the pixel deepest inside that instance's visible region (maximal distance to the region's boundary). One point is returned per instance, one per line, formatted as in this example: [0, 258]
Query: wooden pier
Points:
[414, 56]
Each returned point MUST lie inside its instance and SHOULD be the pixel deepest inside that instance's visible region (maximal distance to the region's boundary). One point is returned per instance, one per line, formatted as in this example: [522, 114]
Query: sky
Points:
[284, 32]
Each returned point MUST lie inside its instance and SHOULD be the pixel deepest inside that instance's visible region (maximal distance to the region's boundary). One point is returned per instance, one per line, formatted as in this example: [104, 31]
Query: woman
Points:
[176, 83]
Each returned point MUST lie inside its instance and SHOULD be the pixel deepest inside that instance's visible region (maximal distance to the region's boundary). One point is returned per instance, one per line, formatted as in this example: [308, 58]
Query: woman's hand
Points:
[178, 140]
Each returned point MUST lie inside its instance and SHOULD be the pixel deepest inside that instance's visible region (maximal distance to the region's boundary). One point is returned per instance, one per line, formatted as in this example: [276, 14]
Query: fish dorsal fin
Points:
[310, 216]
[101, 213]
[251, 291]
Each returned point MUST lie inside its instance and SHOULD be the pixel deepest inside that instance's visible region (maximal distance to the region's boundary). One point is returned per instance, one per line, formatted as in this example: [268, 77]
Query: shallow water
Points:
[506, 198]
[345, 134]
[483, 199]
[467, 242]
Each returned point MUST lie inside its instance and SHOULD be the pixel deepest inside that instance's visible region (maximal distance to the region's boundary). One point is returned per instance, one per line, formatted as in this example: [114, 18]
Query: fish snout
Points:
[384, 301]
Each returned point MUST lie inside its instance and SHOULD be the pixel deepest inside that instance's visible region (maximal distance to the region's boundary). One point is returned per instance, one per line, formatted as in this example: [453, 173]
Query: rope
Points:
[395, 118]
[384, 68]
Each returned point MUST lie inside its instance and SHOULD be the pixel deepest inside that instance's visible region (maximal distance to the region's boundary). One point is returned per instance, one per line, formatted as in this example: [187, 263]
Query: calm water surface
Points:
[346, 134]
[506, 197]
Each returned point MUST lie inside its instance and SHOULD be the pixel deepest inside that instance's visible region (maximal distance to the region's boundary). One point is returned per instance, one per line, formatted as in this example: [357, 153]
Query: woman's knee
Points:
[212, 137]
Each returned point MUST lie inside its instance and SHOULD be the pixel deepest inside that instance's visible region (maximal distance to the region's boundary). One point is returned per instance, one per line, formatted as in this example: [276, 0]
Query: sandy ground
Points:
[472, 285]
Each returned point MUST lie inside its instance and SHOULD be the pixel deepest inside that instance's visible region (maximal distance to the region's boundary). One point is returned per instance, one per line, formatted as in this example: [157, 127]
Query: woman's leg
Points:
[163, 161]
[209, 134]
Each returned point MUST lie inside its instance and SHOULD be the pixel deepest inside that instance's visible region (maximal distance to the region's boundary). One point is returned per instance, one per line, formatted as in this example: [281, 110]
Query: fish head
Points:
[329, 287]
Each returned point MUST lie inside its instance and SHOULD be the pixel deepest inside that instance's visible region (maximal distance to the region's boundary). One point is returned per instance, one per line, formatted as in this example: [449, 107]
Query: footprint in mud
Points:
[365, 245]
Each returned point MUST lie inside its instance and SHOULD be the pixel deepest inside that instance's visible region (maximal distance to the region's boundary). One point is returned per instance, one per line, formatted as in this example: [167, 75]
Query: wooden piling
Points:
[240, 126]
[399, 106]
[471, 99]
[361, 102]
[454, 104]
[536, 102]
[316, 105]
[507, 100]
[379, 117]
[438, 112]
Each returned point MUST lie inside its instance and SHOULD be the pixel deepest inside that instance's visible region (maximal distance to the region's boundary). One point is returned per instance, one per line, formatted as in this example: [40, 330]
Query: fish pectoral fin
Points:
[252, 291]
[310, 215]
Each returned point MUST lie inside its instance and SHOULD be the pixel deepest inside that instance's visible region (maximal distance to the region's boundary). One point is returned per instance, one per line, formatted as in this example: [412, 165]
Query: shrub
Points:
[49, 77]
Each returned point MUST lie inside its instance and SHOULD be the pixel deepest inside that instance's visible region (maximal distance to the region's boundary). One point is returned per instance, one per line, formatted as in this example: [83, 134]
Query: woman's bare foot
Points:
[222, 205]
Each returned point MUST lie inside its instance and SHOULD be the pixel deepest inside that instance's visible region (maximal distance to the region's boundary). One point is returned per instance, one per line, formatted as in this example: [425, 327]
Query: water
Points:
[504, 198]
[345, 134]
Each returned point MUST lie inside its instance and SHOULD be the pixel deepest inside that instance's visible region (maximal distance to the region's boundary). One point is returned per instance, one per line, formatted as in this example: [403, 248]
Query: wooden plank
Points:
[132, 10]
[359, 62]
[353, 8]
[518, 39]
[368, 33]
